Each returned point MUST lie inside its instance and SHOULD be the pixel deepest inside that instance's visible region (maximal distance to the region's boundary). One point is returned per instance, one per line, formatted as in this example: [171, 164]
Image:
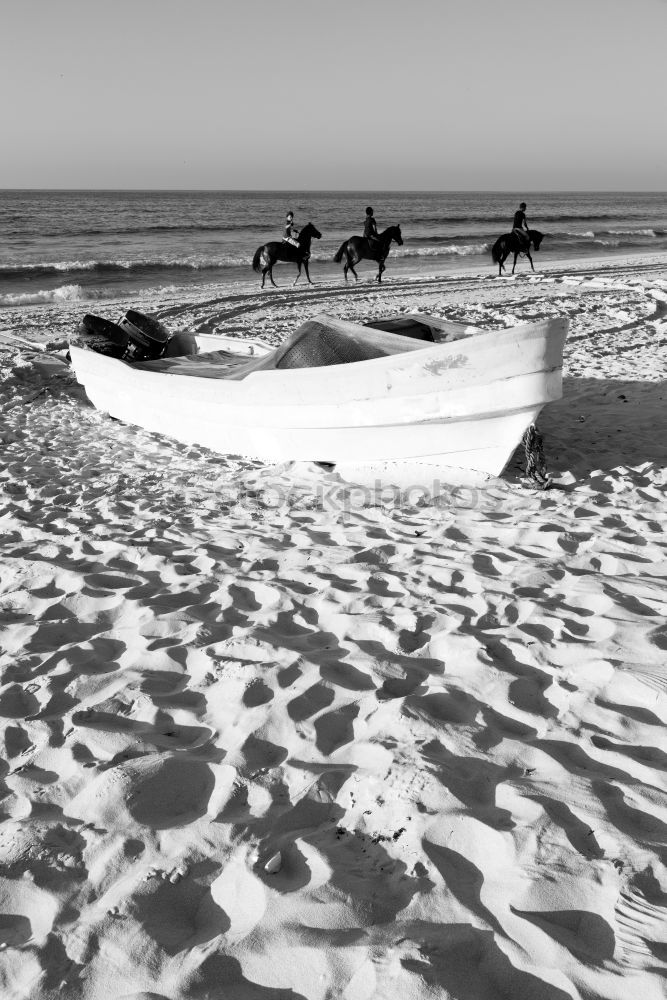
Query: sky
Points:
[334, 94]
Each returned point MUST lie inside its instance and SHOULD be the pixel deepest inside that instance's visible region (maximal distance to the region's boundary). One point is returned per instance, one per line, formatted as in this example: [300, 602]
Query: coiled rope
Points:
[536, 466]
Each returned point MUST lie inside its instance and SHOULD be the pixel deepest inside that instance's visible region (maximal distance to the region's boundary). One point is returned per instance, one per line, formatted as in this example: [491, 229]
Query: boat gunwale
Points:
[429, 351]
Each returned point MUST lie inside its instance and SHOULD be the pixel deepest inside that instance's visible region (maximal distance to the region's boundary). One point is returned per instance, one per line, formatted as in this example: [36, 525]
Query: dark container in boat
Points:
[148, 337]
[103, 336]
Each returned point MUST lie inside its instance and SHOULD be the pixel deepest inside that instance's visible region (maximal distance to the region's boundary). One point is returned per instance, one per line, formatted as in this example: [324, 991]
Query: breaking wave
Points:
[444, 250]
[71, 293]
[121, 266]
[66, 293]
[634, 232]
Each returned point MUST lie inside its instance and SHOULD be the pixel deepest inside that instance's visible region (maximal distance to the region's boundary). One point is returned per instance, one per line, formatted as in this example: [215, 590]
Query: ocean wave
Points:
[632, 241]
[632, 232]
[586, 216]
[447, 239]
[78, 293]
[460, 250]
[101, 267]
[538, 218]
[166, 227]
[66, 293]
[496, 216]
[588, 235]
[608, 237]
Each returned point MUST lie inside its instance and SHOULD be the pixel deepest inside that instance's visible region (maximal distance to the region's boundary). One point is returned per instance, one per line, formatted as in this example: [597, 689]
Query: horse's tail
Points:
[256, 259]
[497, 250]
[338, 256]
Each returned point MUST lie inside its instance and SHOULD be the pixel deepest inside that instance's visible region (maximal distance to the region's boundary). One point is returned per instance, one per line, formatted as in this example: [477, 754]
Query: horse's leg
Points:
[271, 276]
[298, 273]
[264, 270]
[514, 264]
[530, 258]
[305, 267]
[381, 269]
[349, 266]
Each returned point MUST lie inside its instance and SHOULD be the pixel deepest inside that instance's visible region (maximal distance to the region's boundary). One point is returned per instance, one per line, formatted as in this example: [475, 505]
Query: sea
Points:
[68, 246]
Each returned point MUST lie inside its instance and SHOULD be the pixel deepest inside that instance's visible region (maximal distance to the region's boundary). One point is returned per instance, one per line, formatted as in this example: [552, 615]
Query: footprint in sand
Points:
[257, 693]
[176, 911]
[17, 742]
[282, 866]
[163, 734]
[159, 791]
[579, 834]
[335, 729]
[310, 702]
[17, 703]
[258, 755]
[586, 935]
[454, 707]
[344, 675]
[49, 852]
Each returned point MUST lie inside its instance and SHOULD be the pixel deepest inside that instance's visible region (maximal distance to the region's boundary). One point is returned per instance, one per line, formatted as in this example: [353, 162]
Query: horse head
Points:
[536, 238]
[308, 232]
[396, 235]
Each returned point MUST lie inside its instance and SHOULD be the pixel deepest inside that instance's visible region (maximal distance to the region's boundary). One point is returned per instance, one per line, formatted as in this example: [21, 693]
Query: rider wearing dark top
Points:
[520, 224]
[370, 228]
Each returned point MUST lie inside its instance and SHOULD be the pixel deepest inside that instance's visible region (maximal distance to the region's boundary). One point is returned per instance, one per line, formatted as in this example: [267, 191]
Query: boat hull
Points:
[461, 405]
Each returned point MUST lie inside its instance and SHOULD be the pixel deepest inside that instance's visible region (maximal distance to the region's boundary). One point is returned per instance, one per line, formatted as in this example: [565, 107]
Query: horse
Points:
[512, 243]
[358, 247]
[267, 255]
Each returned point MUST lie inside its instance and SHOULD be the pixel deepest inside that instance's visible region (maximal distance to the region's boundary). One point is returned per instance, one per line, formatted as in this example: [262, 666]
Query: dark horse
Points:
[358, 247]
[513, 243]
[266, 256]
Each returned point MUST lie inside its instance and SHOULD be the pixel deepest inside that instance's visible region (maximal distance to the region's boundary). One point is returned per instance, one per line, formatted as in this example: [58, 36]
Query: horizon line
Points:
[365, 191]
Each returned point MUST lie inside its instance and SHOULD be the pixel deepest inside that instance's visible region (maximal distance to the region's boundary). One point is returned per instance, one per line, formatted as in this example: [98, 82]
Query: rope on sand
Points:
[536, 466]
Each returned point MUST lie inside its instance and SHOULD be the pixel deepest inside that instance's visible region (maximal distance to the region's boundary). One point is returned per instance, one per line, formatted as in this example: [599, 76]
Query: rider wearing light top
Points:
[291, 232]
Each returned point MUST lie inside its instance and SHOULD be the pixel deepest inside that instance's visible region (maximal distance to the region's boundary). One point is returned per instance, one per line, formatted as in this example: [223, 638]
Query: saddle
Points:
[291, 241]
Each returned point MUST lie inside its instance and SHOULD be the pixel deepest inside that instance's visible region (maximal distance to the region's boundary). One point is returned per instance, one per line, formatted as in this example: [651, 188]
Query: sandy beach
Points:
[265, 736]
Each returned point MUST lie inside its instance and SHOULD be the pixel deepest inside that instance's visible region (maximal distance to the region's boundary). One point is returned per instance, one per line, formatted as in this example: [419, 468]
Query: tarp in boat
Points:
[321, 341]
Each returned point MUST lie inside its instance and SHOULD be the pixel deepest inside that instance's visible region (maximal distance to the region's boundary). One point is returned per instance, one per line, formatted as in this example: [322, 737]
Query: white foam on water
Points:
[65, 293]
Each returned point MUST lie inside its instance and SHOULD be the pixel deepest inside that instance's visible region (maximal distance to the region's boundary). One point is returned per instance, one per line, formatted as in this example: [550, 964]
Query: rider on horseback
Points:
[371, 229]
[291, 232]
[520, 225]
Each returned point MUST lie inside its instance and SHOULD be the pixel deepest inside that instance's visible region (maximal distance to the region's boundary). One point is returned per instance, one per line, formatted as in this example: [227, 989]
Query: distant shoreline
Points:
[372, 192]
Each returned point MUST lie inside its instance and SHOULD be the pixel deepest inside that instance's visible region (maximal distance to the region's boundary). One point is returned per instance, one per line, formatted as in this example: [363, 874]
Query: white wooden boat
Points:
[456, 402]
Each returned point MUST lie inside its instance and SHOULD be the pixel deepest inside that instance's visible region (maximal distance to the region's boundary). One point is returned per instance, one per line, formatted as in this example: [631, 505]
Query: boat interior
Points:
[319, 342]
